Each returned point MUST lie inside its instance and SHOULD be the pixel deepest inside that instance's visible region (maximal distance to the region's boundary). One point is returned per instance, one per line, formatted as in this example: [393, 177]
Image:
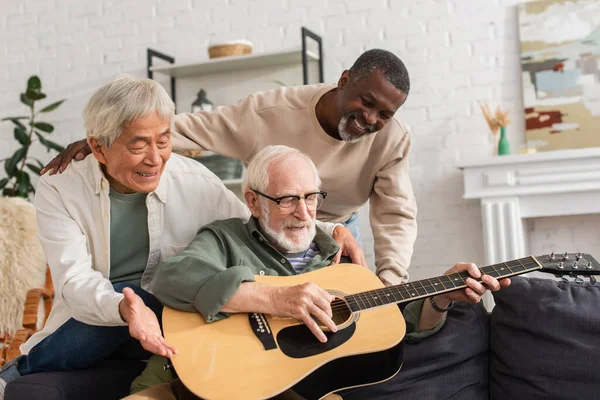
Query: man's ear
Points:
[253, 203]
[344, 79]
[97, 150]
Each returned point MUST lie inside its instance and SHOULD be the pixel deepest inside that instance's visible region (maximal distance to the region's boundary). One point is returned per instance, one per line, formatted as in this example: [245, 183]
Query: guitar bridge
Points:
[260, 327]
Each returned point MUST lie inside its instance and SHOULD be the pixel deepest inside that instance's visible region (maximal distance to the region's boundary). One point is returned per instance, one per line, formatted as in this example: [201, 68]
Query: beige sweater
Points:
[375, 169]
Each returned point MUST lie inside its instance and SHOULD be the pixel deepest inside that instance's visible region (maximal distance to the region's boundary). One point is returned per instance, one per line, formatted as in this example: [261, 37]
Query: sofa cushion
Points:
[545, 341]
[108, 380]
[452, 364]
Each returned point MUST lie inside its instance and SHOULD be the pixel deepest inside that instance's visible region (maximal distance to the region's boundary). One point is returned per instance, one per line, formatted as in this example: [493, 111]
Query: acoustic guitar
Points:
[257, 356]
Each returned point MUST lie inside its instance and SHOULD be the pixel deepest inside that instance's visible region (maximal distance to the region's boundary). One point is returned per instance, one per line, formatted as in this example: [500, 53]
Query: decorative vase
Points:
[503, 146]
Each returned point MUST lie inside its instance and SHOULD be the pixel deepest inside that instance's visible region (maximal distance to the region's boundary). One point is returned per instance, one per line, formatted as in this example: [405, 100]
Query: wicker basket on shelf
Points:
[226, 49]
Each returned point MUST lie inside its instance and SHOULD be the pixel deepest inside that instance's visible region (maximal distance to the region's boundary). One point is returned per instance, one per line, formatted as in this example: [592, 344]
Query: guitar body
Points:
[255, 356]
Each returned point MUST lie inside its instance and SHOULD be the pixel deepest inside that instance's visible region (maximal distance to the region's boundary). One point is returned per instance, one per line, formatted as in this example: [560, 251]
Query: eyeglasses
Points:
[287, 204]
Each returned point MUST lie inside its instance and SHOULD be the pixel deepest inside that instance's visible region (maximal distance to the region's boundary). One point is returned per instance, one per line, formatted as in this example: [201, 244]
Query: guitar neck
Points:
[411, 291]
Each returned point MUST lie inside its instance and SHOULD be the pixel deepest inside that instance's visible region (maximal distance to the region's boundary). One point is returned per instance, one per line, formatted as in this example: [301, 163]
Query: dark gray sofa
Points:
[542, 341]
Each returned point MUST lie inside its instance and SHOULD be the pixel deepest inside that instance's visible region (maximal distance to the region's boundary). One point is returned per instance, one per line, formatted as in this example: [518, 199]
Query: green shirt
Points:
[129, 240]
[205, 275]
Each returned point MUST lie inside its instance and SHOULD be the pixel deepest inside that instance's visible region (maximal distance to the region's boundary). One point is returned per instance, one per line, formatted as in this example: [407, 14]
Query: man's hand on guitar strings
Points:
[302, 302]
[472, 294]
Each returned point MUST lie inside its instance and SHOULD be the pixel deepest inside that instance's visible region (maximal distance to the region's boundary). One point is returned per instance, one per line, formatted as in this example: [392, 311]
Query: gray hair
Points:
[122, 101]
[257, 176]
[393, 69]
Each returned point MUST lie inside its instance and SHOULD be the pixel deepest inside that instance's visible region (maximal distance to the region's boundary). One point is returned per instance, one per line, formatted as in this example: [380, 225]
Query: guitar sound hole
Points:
[341, 314]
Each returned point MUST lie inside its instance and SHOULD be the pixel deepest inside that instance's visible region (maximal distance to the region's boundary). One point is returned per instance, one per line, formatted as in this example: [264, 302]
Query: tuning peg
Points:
[575, 265]
[589, 265]
[578, 256]
[552, 256]
[561, 265]
[566, 256]
[592, 279]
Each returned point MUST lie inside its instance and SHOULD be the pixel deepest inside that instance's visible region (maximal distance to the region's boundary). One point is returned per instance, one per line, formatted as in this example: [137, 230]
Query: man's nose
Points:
[301, 211]
[370, 117]
[153, 155]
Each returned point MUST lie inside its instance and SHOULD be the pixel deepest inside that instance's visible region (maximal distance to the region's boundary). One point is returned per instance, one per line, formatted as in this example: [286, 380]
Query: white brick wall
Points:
[458, 52]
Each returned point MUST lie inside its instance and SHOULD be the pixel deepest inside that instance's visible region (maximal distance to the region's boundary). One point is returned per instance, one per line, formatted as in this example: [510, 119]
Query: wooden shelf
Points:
[233, 63]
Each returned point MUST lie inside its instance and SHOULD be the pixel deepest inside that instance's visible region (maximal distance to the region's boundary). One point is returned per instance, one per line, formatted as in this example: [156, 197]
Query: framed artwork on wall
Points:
[560, 63]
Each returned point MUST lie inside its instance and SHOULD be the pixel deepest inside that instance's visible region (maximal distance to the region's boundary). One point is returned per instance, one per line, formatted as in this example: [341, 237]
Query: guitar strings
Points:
[340, 305]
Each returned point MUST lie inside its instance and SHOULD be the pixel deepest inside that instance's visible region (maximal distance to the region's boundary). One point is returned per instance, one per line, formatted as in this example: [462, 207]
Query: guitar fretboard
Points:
[429, 287]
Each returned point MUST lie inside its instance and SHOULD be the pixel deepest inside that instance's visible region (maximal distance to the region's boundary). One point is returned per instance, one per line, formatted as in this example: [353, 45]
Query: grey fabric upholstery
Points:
[453, 364]
[545, 341]
[110, 380]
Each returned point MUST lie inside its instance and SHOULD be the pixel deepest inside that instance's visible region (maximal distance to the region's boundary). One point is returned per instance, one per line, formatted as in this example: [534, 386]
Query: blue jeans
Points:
[353, 226]
[76, 345]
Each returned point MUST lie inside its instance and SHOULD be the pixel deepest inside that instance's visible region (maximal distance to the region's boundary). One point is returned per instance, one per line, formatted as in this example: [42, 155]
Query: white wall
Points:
[458, 52]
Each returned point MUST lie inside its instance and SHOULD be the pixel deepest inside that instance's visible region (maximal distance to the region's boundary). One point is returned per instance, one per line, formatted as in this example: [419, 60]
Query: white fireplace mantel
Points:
[512, 188]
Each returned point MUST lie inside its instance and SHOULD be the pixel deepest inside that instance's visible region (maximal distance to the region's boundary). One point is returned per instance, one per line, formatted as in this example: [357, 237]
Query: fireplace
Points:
[513, 188]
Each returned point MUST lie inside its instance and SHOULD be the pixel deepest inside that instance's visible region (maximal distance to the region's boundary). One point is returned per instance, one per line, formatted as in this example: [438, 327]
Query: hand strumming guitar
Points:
[77, 150]
[299, 301]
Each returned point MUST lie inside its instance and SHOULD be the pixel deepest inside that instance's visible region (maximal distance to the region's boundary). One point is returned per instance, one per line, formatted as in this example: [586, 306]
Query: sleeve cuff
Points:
[115, 316]
[216, 292]
[391, 276]
[412, 314]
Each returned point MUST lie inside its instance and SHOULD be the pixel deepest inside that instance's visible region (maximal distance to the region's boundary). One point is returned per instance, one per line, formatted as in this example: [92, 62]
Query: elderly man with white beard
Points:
[214, 275]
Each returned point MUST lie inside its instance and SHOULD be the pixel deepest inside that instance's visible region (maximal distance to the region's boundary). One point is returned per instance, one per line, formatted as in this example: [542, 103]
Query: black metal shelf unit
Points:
[305, 34]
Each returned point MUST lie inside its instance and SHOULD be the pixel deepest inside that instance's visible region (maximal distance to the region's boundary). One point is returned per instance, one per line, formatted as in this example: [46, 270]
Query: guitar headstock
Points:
[569, 264]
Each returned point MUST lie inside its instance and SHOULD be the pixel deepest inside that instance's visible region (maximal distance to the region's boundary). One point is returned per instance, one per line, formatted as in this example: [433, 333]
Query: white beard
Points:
[280, 240]
[346, 137]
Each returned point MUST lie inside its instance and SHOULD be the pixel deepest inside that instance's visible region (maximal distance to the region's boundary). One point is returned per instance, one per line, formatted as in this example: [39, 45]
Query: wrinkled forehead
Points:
[153, 124]
[292, 175]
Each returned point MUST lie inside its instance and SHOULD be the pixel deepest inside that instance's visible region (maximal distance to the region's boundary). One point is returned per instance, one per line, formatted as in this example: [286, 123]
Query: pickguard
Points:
[299, 342]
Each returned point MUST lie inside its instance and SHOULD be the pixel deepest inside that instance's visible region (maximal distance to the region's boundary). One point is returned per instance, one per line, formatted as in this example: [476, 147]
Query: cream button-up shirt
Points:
[73, 224]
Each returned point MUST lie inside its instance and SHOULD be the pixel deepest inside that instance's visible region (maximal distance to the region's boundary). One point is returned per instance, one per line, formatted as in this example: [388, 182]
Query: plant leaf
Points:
[15, 121]
[24, 183]
[34, 94]
[52, 106]
[11, 165]
[49, 144]
[44, 126]
[34, 168]
[21, 136]
[34, 83]
[26, 100]
[3, 182]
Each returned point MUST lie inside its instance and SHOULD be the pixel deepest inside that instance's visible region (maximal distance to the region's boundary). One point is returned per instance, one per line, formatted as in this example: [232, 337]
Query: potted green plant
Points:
[28, 130]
